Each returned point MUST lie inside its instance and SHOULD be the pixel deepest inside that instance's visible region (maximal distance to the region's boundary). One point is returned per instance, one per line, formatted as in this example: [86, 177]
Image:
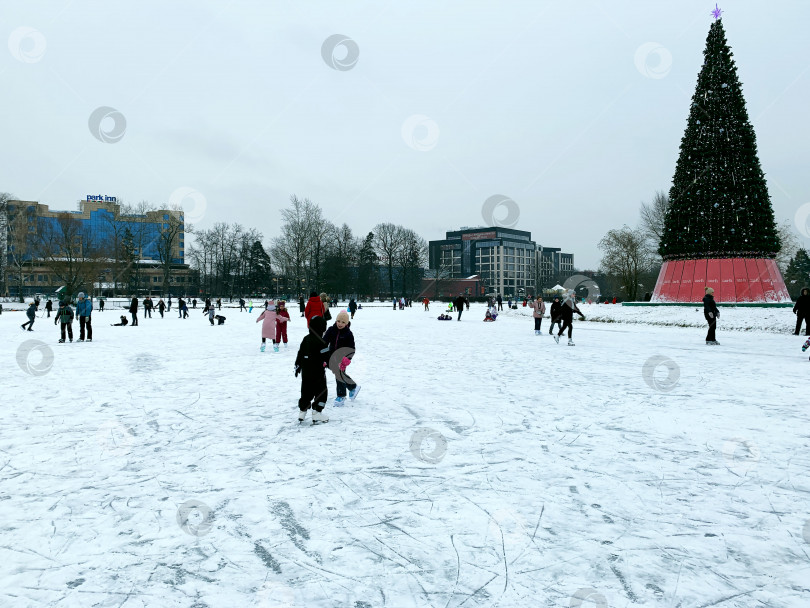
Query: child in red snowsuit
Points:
[282, 317]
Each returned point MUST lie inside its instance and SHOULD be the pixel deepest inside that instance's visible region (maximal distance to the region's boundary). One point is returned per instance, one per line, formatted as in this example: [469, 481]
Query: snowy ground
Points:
[480, 466]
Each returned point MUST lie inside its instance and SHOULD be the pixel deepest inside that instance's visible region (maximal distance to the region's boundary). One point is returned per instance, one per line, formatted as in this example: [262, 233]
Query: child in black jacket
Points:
[340, 339]
[313, 356]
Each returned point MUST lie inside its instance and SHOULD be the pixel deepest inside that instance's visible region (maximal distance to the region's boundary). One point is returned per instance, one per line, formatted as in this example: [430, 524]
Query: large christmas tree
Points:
[719, 202]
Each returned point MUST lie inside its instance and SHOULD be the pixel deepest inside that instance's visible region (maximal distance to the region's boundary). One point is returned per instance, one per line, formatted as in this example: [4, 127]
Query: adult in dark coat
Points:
[133, 309]
[458, 303]
[500, 302]
[554, 313]
[352, 307]
[802, 311]
[49, 307]
[711, 313]
[301, 304]
[567, 310]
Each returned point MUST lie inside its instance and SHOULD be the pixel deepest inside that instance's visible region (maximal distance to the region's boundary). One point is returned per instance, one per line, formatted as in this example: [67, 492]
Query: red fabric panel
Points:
[727, 292]
[713, 276]
[699, 281]
[764, 273]
[778, 282]
[685, 292]
[742, 285]
[675, 284]
[754, 281]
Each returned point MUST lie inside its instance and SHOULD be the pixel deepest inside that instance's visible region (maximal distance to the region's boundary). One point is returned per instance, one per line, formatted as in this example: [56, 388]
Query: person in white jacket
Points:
[538, 310]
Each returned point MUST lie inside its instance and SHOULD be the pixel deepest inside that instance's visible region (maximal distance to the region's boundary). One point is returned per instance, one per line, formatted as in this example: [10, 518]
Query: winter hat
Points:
[81, 295]
[318, 325]
[313, 294]
[271, 307]
[342, 316]
[709, 291]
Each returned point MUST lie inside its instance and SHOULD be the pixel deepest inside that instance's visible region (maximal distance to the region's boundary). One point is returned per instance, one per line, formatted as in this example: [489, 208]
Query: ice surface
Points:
[481, 465]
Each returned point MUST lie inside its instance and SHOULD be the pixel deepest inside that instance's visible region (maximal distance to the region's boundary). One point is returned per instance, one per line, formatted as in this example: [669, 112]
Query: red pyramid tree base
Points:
[734, 280]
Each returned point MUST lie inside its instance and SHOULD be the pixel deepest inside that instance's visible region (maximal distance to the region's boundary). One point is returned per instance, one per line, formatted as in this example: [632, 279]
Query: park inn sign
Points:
[102, 198]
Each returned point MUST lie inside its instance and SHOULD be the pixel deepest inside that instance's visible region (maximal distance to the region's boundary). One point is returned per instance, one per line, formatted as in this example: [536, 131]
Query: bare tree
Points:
[20, 234]
[291, 248]
[627, 255]
[411, 257]
[790, 244]
[387, 244]
[652, 217]
[67, 247]
[167, 243]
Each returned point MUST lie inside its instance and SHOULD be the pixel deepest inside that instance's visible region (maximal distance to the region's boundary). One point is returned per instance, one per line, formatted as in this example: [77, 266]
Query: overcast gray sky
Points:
[575, 110]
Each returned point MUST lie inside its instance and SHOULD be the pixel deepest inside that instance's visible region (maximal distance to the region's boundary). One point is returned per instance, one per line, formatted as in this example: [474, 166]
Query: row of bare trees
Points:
[312, 253]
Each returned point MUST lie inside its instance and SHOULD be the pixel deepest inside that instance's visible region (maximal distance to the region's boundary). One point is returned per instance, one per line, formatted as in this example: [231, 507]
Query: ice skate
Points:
[318, 417]
[353, 392]
[61, 340]
[263, 347]
[570, 342]
[275, 348]
[339, 401]
[557, 339]
[302, 415]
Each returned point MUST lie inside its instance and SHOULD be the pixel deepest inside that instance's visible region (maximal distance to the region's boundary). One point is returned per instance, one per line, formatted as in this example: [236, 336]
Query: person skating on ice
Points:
[31, 313]
[282, 318]
[567, 310]
[554, 314]
[65, 316]
[340, 339]
[84, 308]
[311, 362]
[458, 304]
[314, 307]
[49, 307]
[710, 313]
[133, 310]
[538, 310]
[352, 307]
[161, 306]
[802, 311]
[268, 318]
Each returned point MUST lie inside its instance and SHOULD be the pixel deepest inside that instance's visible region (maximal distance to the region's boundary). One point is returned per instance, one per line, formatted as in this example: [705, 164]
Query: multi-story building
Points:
[507, 261]
[103, 232]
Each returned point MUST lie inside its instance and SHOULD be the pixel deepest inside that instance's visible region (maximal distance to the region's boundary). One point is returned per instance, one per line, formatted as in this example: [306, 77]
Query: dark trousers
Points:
[134, 318]
[500, 305]
[342, 386]
[538, 322]
[29, 323]
[712, 321]
[85, 322]
[566, 323]
[147, 313]
[49, 313]
[799, 318]
[459, 313]
[69, 327]
[313, 393]
[161, 313]
[554, 322]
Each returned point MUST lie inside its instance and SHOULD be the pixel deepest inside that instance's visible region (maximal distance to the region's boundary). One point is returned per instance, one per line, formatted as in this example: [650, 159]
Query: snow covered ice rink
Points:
[481, 465]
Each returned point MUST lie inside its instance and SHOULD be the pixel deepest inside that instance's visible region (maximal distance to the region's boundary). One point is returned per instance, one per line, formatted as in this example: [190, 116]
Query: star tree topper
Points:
[717, 11]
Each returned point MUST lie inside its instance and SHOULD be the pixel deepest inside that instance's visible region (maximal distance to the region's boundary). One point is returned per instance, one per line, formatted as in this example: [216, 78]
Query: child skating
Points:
[311, 362]
[31, 313]
[65, 316]
[268, 318]
[340, 339]
[567, 310]
[282, 318]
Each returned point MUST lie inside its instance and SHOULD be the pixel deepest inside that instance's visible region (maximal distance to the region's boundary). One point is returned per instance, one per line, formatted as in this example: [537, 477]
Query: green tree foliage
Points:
[719, 202]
